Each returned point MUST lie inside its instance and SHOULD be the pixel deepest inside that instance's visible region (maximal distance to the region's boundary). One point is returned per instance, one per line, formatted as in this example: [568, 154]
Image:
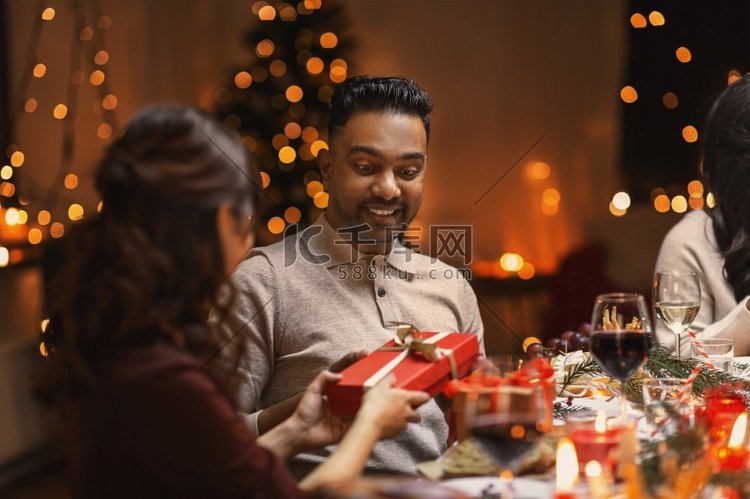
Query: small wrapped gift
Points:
[418, 360]
[530, 390]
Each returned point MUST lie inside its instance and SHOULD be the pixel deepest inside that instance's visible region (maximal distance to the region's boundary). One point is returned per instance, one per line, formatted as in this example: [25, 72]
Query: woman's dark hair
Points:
[726, 167]
[390, 94]
[149, 267]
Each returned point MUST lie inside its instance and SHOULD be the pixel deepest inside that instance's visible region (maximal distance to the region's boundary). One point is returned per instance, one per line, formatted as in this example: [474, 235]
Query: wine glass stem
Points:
[623, 404]
[678, 345]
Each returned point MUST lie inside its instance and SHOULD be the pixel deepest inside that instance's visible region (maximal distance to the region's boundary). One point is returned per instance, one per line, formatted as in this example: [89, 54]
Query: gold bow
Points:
[407, 338]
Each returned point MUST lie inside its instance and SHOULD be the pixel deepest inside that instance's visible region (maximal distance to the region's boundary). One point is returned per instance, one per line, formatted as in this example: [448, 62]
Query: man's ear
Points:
[325, 164]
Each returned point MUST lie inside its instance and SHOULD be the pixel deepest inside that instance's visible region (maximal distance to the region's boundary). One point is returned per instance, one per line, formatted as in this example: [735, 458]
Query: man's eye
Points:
[409, 173]
[363, 167]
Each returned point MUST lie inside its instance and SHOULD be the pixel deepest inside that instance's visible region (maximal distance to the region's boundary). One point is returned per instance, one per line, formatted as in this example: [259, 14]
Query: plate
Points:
[523, 488]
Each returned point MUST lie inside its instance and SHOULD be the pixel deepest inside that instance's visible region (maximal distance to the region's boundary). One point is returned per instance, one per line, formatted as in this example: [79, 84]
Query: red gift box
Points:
[414, 372]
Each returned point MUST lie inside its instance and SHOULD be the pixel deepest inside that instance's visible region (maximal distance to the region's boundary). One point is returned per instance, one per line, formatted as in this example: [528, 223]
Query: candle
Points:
[595, 479]
[566, 469]
[595, 444]
[734, 455]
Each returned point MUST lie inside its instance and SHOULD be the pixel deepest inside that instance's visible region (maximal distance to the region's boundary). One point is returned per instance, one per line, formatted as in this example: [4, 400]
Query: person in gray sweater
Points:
[715, 242]
[343, 285]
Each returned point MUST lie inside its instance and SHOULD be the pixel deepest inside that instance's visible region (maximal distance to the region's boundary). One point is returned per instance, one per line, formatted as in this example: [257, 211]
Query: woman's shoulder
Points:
[694, 229]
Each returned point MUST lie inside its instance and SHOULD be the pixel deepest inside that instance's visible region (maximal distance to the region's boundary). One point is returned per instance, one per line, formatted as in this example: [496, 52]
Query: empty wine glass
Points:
[620, 336]
[677, 297]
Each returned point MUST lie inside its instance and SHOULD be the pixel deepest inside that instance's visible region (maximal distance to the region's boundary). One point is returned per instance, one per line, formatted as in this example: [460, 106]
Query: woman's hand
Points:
[313, 421]
[387, 410]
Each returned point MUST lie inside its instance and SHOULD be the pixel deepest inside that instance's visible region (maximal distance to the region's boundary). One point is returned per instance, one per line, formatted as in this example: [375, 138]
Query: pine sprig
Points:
[662, 364]
[572, 373]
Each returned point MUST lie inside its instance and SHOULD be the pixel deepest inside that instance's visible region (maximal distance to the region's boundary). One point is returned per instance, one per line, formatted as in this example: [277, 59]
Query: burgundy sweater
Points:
[159, 426]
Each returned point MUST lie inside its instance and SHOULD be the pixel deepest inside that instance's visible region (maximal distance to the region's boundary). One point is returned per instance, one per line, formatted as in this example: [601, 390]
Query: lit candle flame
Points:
[600, 425]
[593, 469]
[738, 431]
[566, 467]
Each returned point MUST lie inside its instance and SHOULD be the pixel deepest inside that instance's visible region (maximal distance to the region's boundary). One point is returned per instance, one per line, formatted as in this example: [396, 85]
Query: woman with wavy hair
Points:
[130, 340]
[715, 242]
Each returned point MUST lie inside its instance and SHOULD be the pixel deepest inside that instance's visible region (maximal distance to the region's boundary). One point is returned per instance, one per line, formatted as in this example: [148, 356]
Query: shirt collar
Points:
[327, 242]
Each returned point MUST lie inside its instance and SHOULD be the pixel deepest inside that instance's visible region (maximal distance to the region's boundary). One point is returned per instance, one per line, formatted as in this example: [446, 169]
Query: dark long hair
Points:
[149, 268]
[726, 167]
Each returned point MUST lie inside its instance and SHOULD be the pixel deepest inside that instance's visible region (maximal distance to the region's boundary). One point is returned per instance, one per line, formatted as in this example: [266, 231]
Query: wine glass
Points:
[620, 336]
[677, 297]
[506, 420]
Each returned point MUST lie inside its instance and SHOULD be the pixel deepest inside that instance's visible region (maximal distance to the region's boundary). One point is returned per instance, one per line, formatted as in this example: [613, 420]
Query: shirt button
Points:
[381, 292]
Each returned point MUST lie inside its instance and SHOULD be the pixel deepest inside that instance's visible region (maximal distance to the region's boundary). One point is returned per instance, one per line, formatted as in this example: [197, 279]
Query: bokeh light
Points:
[315, 66]
[314, 187]
[679, 204]
[551, 196]
[321, 200]
[614, 210]
[43, 217]
[670, 100]
[243, 79]
[292, 215]
[75, 211]
[294, 93]
[264, 48]
[71, 181]
[690, 134]
[317, 146]
[30, 105]
[511, 262]
[638, 21]
[661, 203]
[265, 179]
[292, 130]
[540, 170]
[695, 189]
[621, 200]
[276, 225]
[60, 111]
[628, 94]
[56, 230]
[48, 14]
[526, 271]
[35, 236]
[683, 54]
[39, 70]
[101, 58]
[656, 18]
[287, 154]
[17, 158]
[97, 77]
[328, 40]
[267, 13]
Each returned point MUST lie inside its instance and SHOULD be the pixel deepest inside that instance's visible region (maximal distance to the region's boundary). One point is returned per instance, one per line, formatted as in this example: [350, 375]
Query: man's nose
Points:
[386, 186]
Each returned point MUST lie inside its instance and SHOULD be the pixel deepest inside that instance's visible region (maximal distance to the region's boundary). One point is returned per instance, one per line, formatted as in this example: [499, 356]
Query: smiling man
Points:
[340, 287]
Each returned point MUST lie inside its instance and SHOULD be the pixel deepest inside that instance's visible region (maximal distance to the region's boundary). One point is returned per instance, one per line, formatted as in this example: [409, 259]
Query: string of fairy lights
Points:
[29, 213]
[695, 196]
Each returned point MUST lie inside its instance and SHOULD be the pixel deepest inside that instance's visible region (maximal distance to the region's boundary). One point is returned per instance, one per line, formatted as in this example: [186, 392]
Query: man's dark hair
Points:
[389, 94]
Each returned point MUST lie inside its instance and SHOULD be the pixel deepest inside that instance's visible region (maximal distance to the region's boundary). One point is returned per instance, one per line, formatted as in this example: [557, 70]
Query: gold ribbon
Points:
[408, 340]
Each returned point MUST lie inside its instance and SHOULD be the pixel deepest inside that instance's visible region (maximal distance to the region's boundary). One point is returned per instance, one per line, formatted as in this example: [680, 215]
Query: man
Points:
[342, 285]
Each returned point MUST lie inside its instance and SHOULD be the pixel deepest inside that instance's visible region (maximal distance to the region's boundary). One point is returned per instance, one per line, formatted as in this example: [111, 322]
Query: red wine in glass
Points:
[621, 353]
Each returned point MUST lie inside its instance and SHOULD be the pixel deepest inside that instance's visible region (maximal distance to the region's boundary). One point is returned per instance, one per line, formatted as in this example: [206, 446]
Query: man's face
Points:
[374, 175]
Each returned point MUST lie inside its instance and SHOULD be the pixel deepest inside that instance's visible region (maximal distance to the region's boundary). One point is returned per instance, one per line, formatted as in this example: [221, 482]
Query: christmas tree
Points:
[278, 102]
